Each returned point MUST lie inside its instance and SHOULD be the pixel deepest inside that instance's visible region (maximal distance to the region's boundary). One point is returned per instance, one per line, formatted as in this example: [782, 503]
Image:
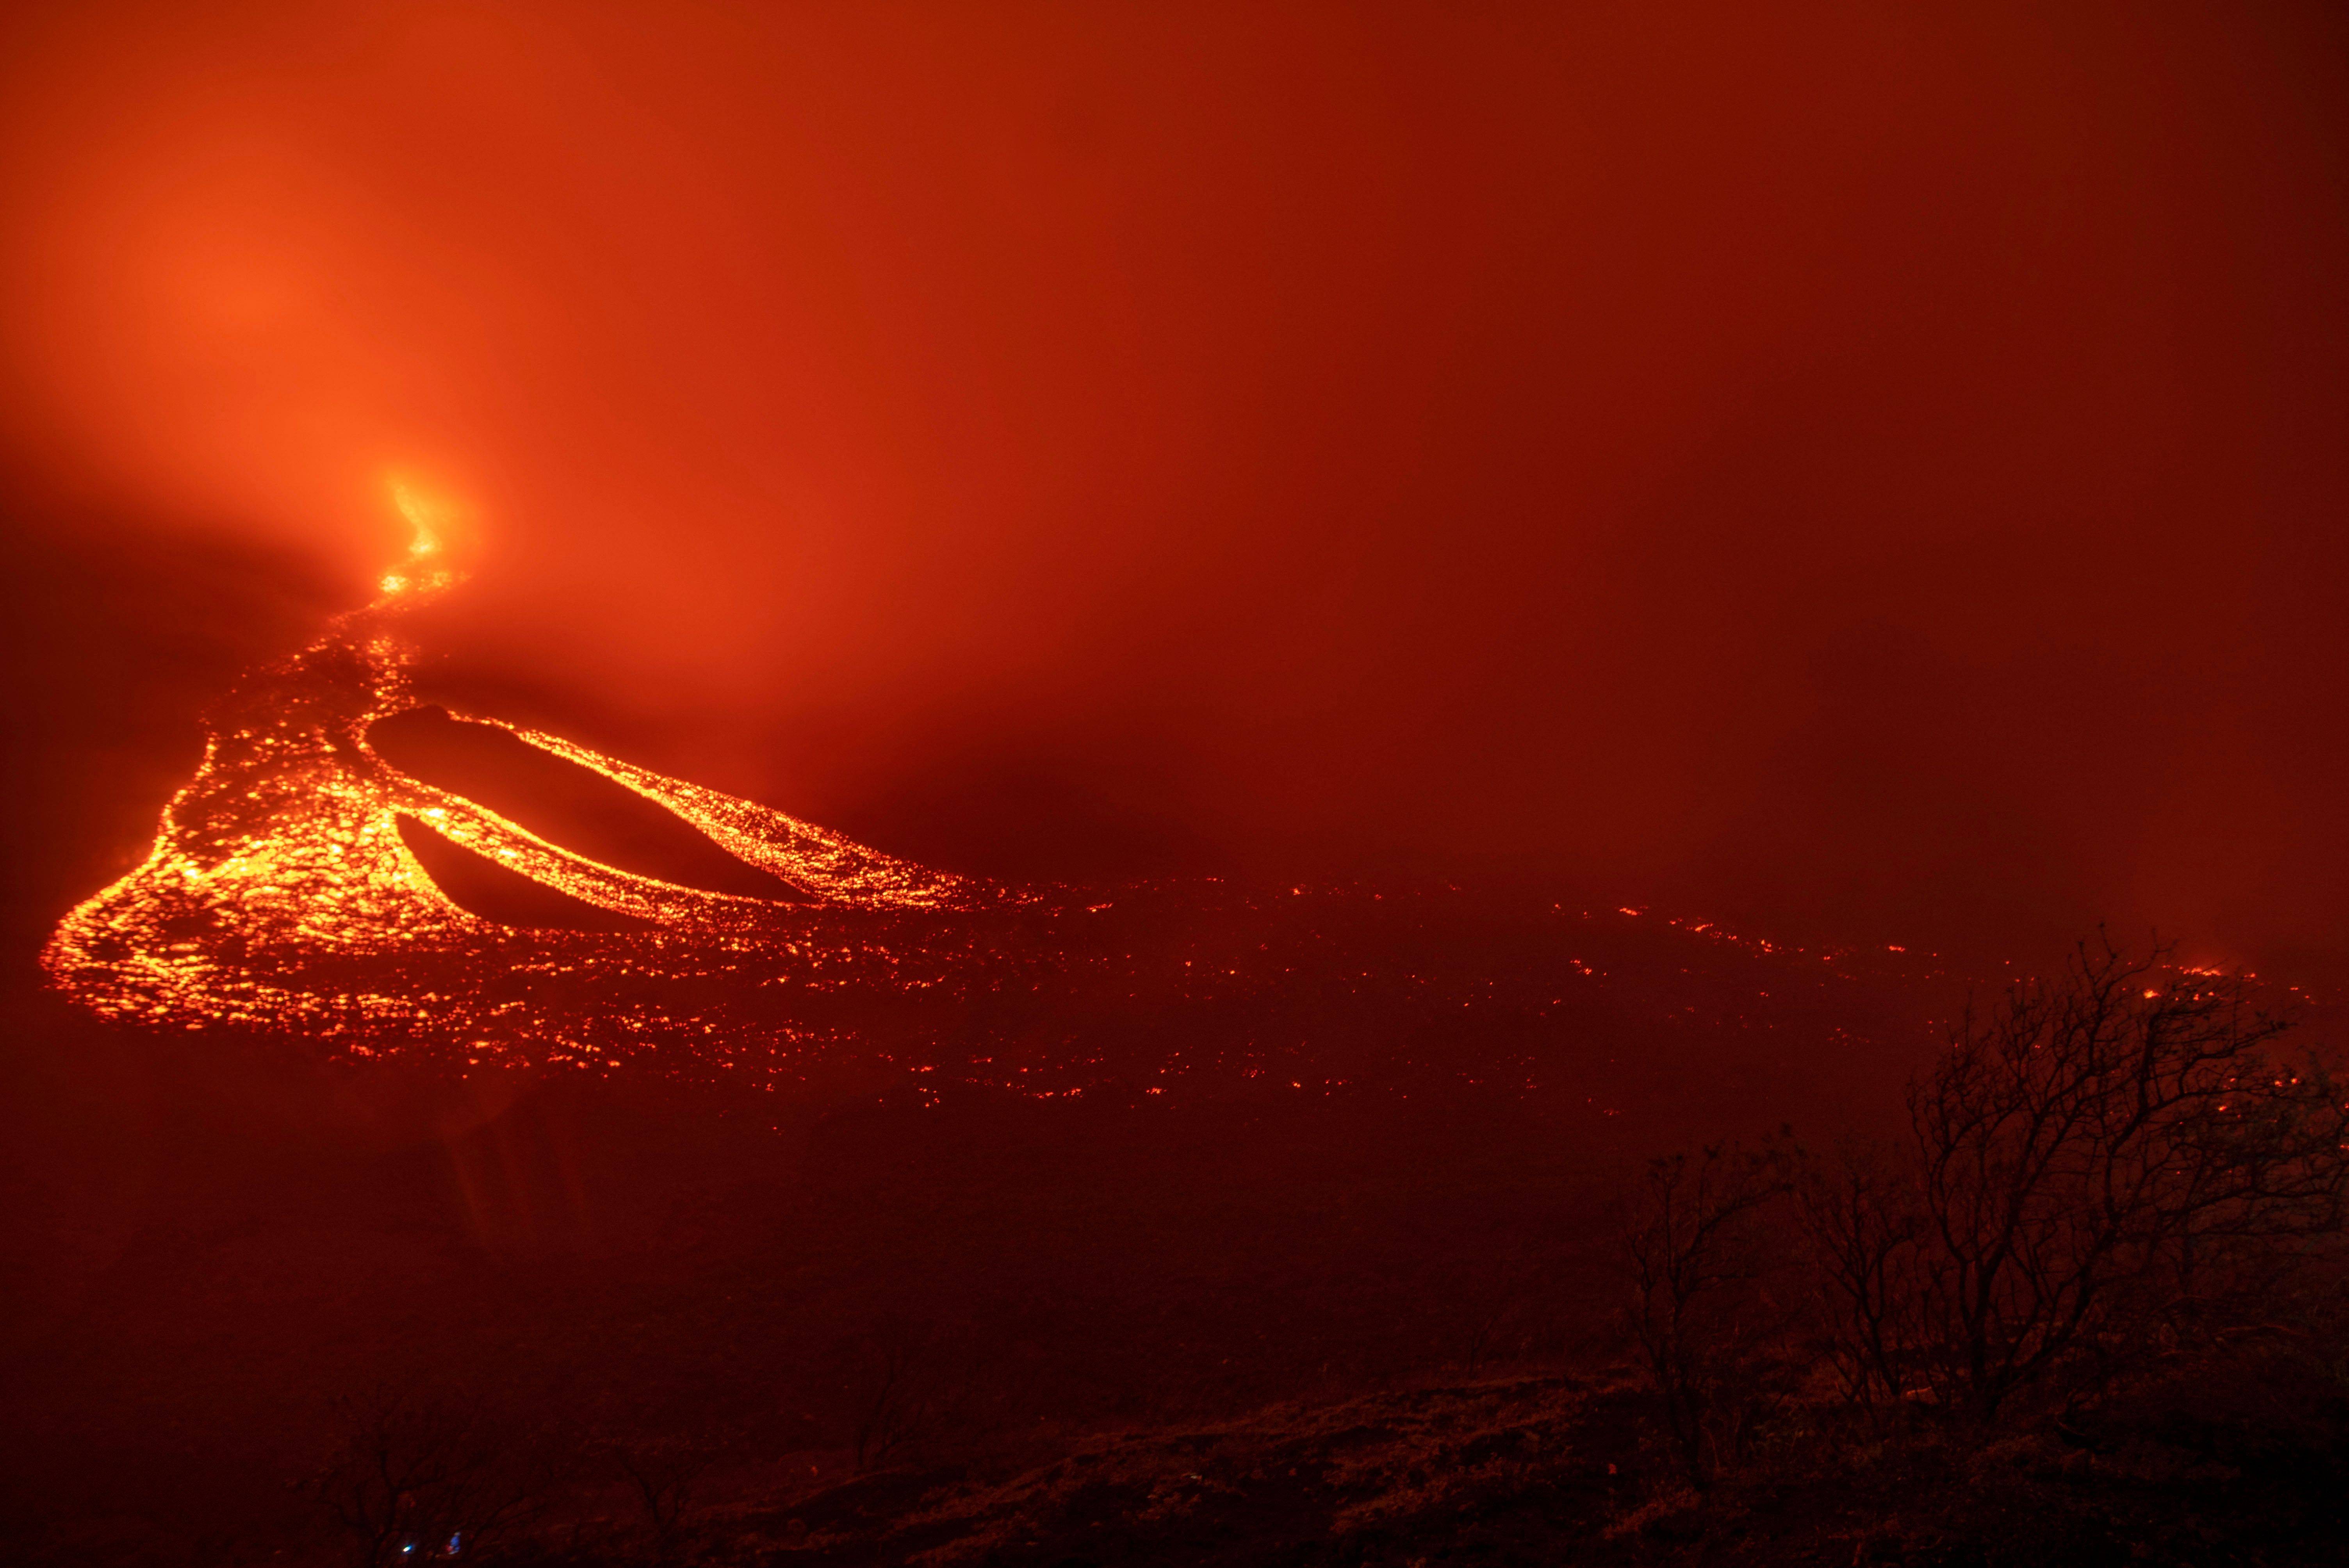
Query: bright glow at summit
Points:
[428, 521]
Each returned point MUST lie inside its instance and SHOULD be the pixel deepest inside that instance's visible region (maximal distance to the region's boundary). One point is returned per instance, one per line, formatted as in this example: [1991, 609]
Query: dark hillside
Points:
[215, 1237]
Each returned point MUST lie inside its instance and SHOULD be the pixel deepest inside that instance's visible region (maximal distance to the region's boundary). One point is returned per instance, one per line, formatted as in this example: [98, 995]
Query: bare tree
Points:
[412, 1479]
[663, 1472]
[1863, 1222]
[911, 1385]
[895, 1400]
[1699, 1259]
[2099, 1159]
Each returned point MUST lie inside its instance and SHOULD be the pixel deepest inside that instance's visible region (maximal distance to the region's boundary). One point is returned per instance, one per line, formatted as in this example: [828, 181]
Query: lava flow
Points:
[287, 888]
[321, 879]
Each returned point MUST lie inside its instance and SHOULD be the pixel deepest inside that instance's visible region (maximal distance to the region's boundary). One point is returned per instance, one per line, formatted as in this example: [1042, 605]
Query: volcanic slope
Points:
[377, 878]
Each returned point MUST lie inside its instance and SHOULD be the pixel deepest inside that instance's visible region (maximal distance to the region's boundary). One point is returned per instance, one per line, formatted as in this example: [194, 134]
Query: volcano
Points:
[316, 875]
[375, 876]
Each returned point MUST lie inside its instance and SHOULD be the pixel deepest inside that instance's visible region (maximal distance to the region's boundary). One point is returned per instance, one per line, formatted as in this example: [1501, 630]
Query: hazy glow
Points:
[1597, 439]
[424, 516]
[429, 520]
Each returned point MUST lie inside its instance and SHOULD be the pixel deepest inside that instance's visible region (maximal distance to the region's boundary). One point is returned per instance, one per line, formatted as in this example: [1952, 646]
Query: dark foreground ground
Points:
[667, 1323]
[1547, 1469]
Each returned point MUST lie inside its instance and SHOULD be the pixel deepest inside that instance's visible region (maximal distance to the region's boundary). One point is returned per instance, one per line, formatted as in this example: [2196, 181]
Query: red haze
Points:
[1844, 468]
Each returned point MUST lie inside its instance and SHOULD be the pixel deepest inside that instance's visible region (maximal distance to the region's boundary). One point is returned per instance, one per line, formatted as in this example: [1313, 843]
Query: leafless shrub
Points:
[662, 1473]
[410, 1480]
[1700, 1260]
[2106, 1164]
[913, 1384]
[1862, 1223]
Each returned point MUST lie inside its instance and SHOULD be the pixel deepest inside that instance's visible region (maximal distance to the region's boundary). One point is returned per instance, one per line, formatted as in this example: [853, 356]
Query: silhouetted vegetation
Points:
[2114, 1194]
[665, 1474]
[2107, 1166]
[1702, 1264]
[409, 1478]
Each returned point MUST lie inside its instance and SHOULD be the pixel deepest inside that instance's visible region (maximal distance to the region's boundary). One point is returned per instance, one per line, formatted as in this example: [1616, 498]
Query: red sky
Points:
[1872, 470]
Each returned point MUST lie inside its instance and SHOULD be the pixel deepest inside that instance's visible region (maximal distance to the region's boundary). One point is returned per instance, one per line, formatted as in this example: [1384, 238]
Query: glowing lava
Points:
[281, 894]
[284, 896]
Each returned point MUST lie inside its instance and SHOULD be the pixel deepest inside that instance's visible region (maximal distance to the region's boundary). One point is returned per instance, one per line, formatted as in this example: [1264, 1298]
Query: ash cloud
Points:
[1850, 471]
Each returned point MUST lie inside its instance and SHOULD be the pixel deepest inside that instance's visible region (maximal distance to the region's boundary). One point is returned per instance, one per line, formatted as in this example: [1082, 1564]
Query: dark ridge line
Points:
[480, 886]
[565, 804]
